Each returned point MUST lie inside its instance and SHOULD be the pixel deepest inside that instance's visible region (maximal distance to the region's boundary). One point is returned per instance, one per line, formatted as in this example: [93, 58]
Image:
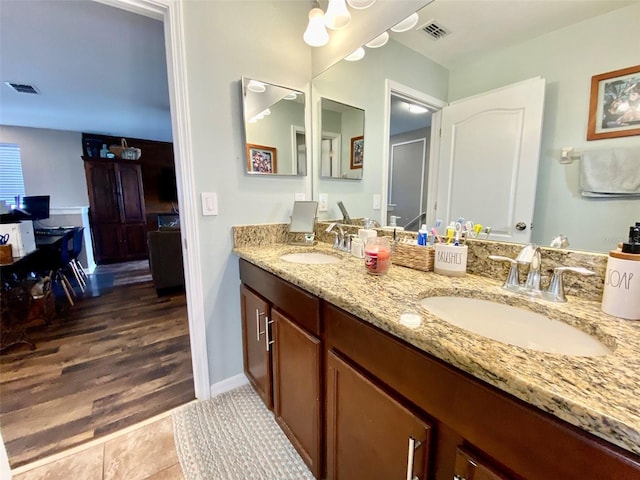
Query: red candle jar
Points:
[377, 255]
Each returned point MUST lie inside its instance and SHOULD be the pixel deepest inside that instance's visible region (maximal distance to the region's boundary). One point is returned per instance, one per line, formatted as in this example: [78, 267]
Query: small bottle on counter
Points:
[423, 235]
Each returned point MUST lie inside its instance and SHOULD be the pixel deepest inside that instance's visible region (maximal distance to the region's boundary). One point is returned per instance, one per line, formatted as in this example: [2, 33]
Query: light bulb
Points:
[360, 4]
[256, 86]
[355, 56]
[290, 96]
[316, 34]
[379, 41]
[406, 24]
[417, 109]
[337, 15]
[266, 112]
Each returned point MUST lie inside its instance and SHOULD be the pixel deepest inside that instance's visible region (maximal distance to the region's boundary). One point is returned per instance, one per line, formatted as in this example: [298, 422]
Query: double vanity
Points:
[383, 376]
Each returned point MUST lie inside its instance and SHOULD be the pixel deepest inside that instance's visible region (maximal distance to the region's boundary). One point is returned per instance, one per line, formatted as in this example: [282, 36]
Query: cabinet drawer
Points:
[301, 306]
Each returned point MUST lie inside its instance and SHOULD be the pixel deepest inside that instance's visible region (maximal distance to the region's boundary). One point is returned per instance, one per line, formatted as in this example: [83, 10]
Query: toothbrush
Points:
[477, 228]
[487, 231]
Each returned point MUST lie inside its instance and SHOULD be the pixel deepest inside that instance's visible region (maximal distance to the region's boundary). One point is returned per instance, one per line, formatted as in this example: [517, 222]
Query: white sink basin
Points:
[310, 258]
[515, 326]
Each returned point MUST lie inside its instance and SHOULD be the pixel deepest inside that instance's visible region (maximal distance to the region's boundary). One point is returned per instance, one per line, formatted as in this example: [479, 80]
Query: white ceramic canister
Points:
[621, 297]
[365, 234]
[450, 260]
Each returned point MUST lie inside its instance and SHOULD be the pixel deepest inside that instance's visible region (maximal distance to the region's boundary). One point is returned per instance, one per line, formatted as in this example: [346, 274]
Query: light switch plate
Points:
[209, 203]
[377, 201]
[323, 202]
[300, 197]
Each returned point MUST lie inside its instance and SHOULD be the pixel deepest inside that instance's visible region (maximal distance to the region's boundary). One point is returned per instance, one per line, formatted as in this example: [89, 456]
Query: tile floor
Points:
[145, 451]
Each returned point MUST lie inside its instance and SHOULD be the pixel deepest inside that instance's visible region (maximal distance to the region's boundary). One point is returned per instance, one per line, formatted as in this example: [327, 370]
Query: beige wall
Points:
[51, 164]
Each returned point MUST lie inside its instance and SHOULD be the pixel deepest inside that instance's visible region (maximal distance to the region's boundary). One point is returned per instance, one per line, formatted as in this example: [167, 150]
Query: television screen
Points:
[37, 206]
[167, 190]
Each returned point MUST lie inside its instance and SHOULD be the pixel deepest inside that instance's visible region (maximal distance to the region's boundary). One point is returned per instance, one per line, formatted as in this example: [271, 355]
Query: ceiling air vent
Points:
[22, 87]
[434, 30]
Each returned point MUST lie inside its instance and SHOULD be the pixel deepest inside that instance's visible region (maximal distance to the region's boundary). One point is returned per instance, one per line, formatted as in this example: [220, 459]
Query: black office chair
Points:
[74, 263]
[59, 262]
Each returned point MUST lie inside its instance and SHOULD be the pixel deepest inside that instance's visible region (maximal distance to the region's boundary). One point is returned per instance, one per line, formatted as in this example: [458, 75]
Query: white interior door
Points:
[489, 152]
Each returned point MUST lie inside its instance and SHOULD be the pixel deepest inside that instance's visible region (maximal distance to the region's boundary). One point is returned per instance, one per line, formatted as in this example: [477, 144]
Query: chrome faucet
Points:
[532, 256]
[340, 240]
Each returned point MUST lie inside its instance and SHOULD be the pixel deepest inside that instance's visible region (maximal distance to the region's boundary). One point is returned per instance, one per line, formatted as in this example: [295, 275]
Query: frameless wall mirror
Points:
[342, 146]
[274, 129]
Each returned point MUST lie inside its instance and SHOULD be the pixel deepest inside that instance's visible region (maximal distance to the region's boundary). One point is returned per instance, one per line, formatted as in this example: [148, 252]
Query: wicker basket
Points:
[125, 152]
[414, 256]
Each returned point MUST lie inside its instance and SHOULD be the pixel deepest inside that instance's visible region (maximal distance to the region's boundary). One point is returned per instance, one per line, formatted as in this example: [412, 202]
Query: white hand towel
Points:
[610, 173]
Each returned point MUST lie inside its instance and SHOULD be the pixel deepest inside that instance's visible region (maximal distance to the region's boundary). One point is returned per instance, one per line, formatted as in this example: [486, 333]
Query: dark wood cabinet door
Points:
[296, 387]
[470, 467]
[131, 193]
[102, 185]
[369, 433]
[256, 356]
[135, 241]
[107, 242]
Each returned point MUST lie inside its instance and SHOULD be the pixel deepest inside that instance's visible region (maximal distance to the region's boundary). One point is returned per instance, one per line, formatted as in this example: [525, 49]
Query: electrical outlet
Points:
[209, 203]
[300, 197]
[377, 201]
[323, 202]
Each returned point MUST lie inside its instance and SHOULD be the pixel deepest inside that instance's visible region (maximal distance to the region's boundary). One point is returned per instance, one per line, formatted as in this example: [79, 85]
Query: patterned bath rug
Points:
[234, 437]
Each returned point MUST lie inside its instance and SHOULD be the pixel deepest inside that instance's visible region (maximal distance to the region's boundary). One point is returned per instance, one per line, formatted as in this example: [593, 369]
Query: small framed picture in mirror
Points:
[357, 152]
[261, 159]
[614, 107]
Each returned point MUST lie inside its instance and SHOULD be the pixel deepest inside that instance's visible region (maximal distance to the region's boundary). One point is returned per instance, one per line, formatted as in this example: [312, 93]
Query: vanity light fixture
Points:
[379, 41]
[337, 16]
[266, 112]
[290, 96]
[355, 56]
[360, 4]
[316, 34]
[406, 24]
[256, 86]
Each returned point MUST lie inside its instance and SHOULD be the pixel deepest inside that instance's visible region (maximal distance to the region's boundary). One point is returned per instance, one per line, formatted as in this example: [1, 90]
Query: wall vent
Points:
[435, 30]
[22, 87]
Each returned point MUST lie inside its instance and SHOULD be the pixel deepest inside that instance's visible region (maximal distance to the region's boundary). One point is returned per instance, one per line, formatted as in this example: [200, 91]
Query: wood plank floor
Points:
[105, 364]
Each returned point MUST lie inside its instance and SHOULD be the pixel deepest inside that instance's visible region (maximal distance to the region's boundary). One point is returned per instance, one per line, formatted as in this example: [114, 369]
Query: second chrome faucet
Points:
[532, 256]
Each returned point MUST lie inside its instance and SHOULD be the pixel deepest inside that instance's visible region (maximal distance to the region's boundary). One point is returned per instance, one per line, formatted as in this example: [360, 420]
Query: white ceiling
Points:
[100, 69]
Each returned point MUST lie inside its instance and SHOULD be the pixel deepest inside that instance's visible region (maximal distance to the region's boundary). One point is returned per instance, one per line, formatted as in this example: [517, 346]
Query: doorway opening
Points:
[409, 173]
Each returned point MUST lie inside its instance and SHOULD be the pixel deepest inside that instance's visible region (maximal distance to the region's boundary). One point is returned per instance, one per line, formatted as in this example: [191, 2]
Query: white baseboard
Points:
[228, 384]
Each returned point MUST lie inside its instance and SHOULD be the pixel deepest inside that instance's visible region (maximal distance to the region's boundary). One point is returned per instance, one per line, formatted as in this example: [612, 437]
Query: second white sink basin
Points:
[310, 258]
[515, 326]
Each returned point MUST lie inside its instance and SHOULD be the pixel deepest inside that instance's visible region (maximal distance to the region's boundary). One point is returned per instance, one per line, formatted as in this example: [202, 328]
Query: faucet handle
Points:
[512, 282]
[556, 286]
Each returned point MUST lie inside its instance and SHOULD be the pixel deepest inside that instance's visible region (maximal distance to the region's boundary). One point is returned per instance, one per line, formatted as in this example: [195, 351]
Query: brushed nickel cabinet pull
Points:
[258, 314]
[413, 446]
[266, 331]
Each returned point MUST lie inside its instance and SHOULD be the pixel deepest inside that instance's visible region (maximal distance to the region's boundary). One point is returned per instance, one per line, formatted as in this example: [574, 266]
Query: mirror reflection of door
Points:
[410, 131]
[489, 154]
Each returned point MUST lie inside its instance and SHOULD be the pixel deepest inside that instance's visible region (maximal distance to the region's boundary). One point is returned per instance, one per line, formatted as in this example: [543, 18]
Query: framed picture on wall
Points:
[261, 159]
[357, 152]
[614, 107]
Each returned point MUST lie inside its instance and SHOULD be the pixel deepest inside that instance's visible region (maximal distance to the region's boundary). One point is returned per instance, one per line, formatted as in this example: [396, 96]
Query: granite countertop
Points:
[598, 394]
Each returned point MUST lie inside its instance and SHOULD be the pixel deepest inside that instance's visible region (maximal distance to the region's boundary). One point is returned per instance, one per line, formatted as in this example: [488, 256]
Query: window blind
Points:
[11, 180]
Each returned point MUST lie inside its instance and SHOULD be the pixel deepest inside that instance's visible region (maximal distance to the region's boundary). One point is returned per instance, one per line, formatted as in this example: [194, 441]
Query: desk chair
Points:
[60, 261]
[74, 263]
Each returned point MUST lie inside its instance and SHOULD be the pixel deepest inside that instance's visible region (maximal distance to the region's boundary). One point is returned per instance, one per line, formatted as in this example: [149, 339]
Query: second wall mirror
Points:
[274, 129]
[342, 150]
